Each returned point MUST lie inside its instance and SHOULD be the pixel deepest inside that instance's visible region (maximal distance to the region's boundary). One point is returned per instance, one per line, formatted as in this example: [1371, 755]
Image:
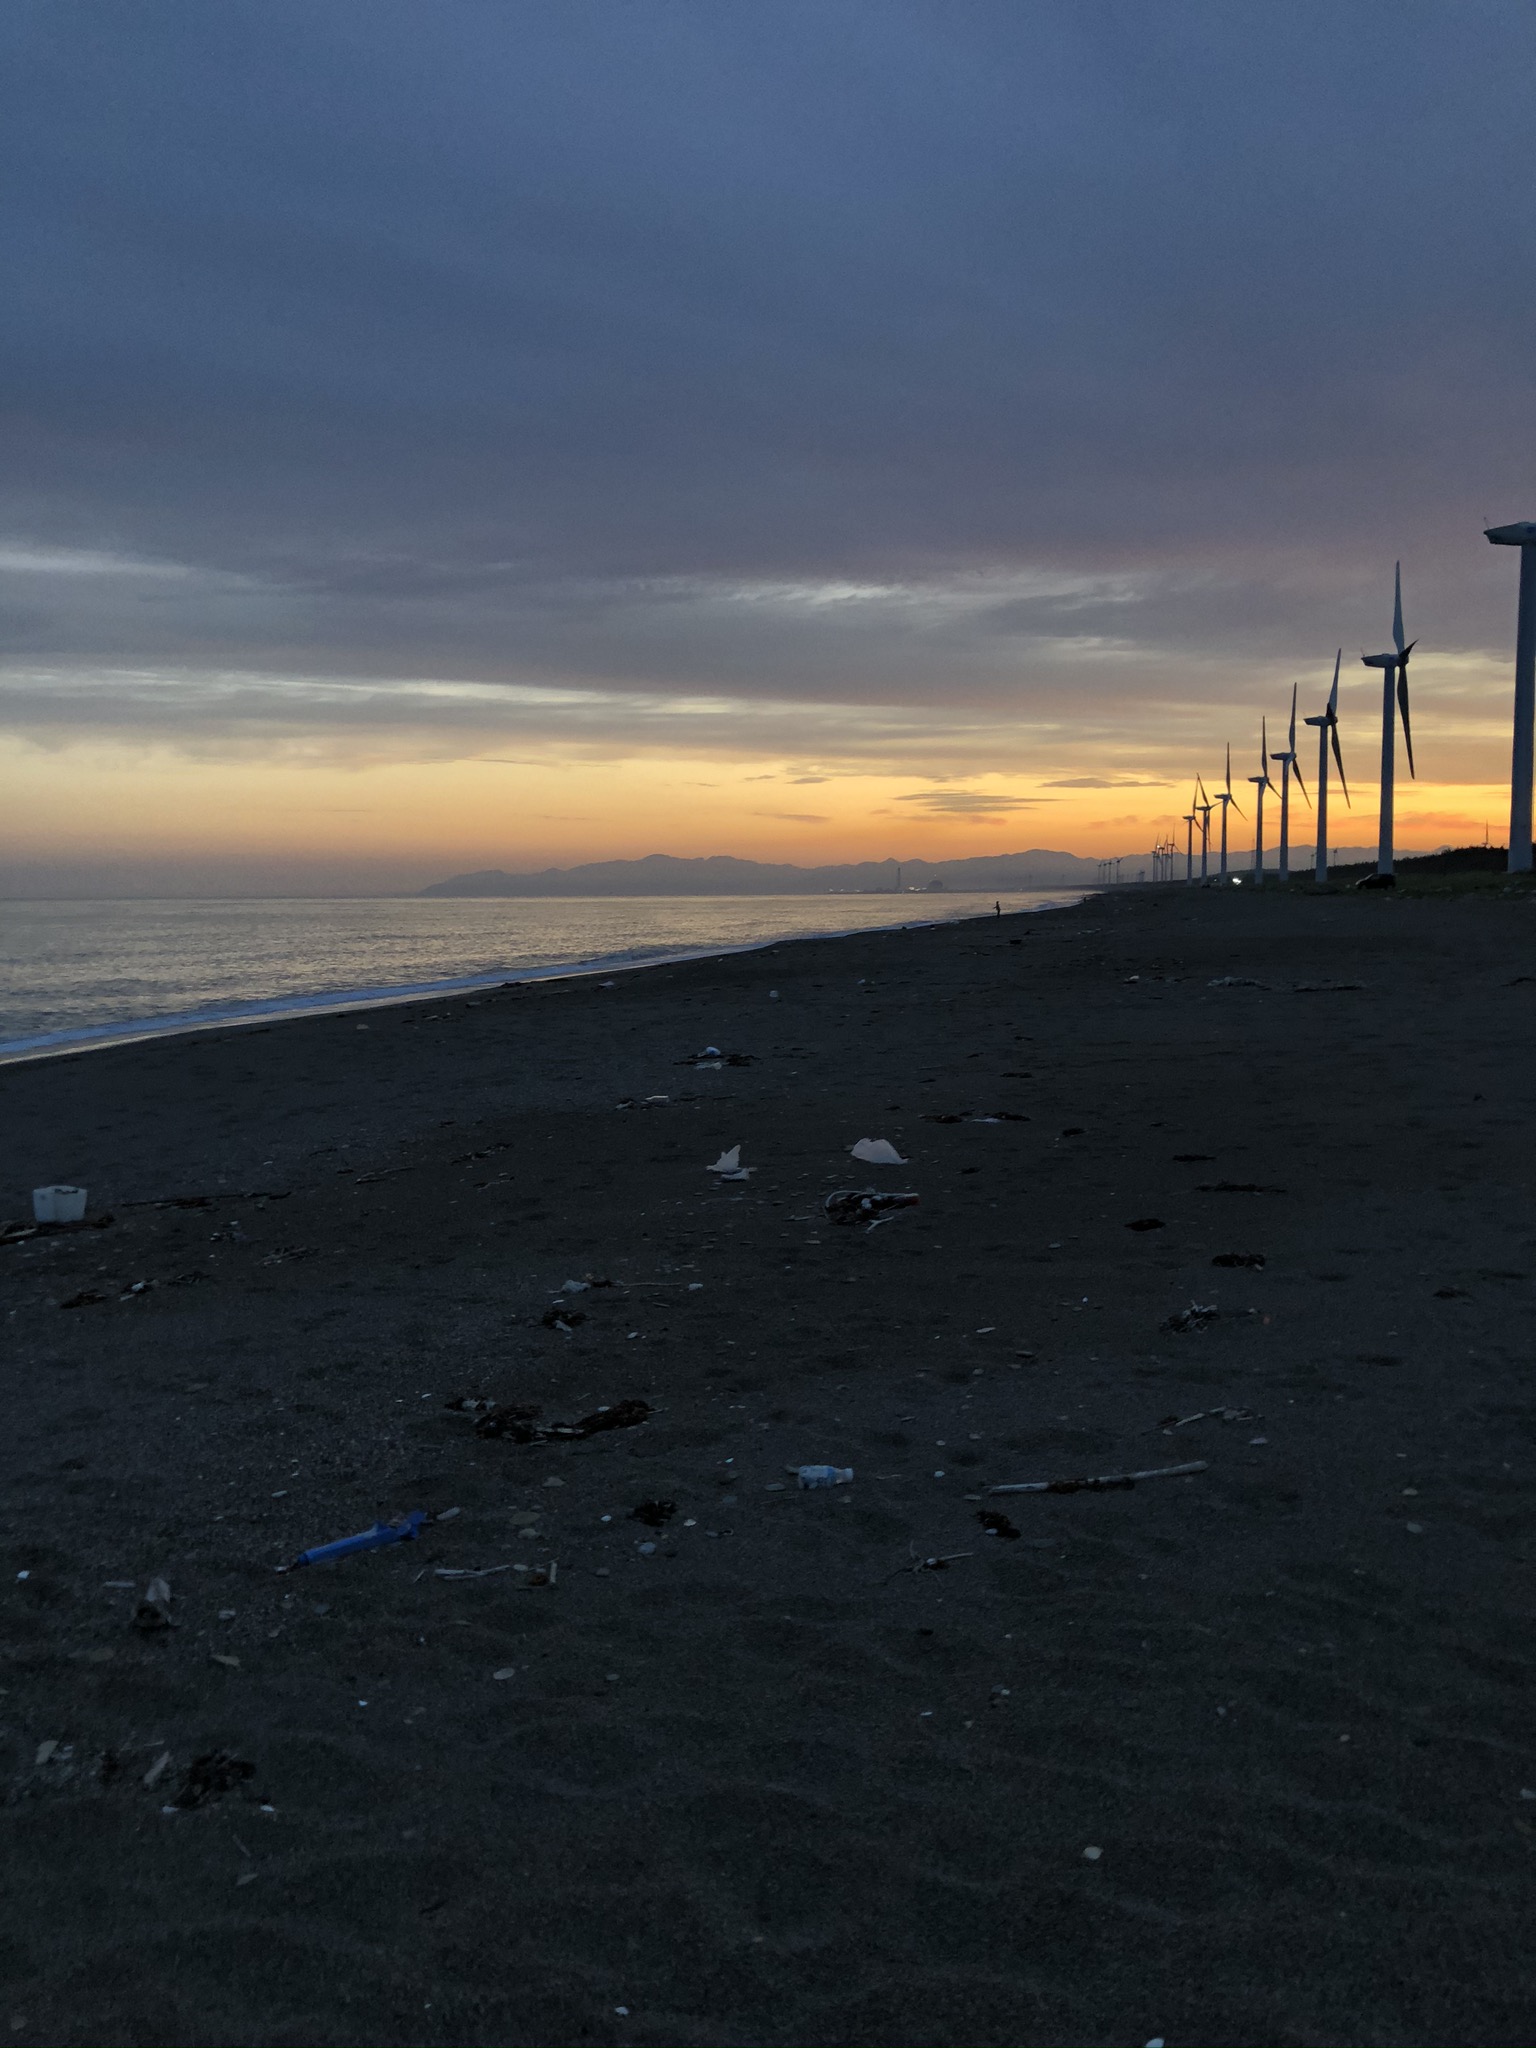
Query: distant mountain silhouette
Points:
[662, 874]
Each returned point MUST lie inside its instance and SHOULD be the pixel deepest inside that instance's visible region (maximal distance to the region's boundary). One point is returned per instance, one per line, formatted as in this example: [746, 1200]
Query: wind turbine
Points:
[1204, 806]
[1394, 668]
[1522, 535]
[1327, 723]
[1228, 802]
[1289, 766]
[1261, 782]
[1189, 845]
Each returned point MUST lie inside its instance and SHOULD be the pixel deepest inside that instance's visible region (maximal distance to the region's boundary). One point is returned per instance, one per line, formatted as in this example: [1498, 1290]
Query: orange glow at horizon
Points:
[413, 822]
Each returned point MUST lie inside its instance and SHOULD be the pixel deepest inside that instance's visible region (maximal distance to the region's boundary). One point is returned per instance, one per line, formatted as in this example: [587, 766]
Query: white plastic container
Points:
[824, 1475]
[58, 1204]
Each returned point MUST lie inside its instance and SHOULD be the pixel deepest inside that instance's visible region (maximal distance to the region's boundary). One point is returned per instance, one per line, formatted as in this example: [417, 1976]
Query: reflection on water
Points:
[90, 970]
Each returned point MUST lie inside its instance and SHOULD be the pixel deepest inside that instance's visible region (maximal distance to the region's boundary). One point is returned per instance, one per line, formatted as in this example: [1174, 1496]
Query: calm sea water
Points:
[76, 974]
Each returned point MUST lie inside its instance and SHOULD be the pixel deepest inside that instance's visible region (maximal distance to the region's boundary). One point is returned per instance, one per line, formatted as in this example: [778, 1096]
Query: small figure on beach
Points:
[998, 908]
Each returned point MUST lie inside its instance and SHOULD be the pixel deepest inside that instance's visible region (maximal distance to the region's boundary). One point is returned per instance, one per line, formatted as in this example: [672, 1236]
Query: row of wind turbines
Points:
[1394, 705]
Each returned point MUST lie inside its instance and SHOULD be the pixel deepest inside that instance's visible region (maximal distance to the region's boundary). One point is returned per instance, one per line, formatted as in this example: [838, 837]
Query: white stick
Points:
[1109, 1479]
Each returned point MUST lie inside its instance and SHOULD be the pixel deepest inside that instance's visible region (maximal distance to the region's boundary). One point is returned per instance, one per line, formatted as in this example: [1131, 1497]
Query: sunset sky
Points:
[440, 437]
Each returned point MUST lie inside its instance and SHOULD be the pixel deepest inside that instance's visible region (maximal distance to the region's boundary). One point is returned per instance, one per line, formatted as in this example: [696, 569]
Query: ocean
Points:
[76, 974]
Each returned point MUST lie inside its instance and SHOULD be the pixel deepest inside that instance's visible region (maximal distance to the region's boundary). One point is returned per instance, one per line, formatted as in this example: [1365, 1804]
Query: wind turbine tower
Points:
[1204, 806]
[1327, 723]
[1522, 535]
[1394, 668]
[1189, 845]
[1228, 802]
[1289, 766]
[1261, 782]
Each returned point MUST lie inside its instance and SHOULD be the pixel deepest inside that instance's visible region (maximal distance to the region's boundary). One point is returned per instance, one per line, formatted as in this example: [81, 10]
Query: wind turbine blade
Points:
[1397, 610]
[1237, 807]
[1229, 767]
[1333, 734]
[1333, 694]
[1402, 705]
[1296, 771]
[1291, 740]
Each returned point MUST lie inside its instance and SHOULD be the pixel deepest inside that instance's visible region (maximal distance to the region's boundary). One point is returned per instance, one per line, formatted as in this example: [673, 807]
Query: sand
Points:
[1241, 1756]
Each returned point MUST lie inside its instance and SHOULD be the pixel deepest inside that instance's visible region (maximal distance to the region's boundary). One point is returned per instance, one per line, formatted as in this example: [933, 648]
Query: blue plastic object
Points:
[370, 1539]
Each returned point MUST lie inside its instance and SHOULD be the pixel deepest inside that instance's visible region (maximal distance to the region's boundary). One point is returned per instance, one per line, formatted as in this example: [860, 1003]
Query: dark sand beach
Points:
[1242, 1756]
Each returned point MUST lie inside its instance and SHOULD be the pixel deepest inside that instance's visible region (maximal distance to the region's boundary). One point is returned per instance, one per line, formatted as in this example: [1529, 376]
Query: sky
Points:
[486, 434]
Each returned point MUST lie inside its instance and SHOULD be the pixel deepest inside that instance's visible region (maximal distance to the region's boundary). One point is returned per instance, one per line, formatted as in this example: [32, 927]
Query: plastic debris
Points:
[506, 1671]
[86, 1298]
[866, 1205]
[930, 1564]
[153, 1612]
[1234, 981]
[519, 1424]
[729, 1167]
[1204, 1415]
[977, 1116]
[1195, 1317]
[1110, 1481]
[877, 1152]
[157, 1770]
[58, 1204]
[822, 1475]
[486, 1571]
[565, 1320]
[376, 1538]
[713, 1057]
[997, 1524]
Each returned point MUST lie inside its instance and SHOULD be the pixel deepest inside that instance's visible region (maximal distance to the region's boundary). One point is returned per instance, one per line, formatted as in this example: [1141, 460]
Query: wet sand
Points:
[773, 1780]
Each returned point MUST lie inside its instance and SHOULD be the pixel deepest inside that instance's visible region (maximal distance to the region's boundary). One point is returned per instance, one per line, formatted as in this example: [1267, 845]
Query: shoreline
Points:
[134, 1031]
[1240, 1752]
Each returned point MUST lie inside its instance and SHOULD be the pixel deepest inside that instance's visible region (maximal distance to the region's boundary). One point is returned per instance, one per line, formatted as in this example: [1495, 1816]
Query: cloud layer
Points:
[853, 379]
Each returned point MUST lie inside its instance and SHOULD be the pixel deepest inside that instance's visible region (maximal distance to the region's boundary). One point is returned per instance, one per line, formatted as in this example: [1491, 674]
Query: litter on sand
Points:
[930, 1564]
[997, 1524]
[712, 1056]
[866, 1205]
[153, 1612]
[1203, 1415]
[1195, 1317]
[58, 1204]
[1106, 1483]
[562, 1319]
[520, 1426]
[1234, 981]
[729, 1167]
[977, 1116]
[821, 1475]
[877, 1152]
[382, 1533]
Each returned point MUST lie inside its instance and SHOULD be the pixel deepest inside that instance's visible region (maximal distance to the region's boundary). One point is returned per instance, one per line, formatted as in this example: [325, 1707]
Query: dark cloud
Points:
[1057, 358]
